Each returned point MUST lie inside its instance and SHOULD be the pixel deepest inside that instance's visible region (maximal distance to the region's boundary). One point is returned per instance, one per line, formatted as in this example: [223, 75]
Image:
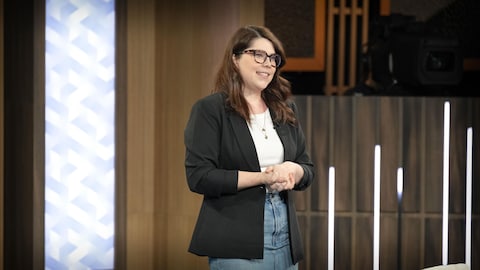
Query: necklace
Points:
[262, 128]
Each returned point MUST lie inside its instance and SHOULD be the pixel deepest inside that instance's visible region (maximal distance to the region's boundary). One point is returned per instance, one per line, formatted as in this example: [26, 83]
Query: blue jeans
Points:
[276, 250]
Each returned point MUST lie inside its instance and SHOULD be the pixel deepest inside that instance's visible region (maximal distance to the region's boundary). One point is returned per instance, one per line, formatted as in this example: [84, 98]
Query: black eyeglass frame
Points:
[258, 53]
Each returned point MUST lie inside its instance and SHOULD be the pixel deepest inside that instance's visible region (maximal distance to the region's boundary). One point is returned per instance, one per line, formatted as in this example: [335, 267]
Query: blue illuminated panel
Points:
[79, 138]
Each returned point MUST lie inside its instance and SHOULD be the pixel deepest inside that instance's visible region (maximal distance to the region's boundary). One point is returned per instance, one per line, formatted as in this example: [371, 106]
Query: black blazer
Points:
[218, 145]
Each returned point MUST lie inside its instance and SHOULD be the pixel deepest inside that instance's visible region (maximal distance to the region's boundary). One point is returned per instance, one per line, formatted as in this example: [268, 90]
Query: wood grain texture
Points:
[170, 56]
[410, 132]
[173, 51]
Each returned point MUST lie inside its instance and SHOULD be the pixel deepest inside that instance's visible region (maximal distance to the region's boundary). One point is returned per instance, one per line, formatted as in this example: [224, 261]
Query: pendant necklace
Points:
[262, 128]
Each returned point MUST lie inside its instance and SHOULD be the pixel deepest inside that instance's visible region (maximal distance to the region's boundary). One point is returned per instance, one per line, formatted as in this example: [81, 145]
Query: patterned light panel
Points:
[79, 139]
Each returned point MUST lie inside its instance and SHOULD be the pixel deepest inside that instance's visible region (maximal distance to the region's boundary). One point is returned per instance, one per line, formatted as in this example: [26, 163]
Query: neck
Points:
[256, 103]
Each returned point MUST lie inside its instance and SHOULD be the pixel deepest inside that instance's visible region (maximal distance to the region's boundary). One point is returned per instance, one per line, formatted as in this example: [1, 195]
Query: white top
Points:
[267, 143]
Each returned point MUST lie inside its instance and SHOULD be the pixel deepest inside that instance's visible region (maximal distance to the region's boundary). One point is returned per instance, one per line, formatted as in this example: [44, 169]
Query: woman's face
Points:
[256, 76]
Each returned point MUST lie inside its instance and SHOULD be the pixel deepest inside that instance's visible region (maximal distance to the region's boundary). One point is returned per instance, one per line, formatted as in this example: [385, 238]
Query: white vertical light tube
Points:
[400, 183]
[331, 217]
[468, 199]
[376, 210]
[446, 157]
[399, 224]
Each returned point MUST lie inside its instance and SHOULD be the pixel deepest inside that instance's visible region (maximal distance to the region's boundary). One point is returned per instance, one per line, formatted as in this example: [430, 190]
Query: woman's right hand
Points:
[276, 182]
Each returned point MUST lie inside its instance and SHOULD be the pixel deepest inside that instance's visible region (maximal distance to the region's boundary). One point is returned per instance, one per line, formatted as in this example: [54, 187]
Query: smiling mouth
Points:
[264, 74]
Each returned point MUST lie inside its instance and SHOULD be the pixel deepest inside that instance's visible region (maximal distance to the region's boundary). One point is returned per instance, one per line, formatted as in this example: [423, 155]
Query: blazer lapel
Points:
[244, 139]
[282, 131]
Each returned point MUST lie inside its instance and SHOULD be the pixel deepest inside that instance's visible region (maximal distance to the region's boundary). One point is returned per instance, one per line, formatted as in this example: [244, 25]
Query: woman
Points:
[245, 153]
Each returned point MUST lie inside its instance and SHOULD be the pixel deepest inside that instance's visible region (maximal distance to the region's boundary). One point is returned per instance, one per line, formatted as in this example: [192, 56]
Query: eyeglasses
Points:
[261, 56]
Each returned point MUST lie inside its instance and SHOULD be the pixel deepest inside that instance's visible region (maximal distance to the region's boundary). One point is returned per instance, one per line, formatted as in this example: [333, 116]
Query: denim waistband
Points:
[272, 196]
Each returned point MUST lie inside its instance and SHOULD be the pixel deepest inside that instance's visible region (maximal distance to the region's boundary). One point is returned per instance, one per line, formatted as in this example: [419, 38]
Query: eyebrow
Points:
[262, 51]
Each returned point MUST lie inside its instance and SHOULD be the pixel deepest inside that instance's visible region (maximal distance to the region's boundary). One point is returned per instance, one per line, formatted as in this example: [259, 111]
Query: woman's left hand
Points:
[285, 175]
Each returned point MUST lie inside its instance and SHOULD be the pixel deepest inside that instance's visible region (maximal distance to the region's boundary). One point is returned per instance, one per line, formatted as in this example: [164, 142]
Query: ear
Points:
[235, 60]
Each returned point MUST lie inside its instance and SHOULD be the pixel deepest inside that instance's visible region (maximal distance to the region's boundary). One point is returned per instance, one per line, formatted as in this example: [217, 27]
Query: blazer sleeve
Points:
[202, 138]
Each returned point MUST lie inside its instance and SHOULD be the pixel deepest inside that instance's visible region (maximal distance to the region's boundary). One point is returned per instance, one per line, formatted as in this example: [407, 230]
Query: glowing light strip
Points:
[399, 182]
[376, 210]
[331, 216]
[468, 209]
[399, 224]
[446, 157]
[79, 190]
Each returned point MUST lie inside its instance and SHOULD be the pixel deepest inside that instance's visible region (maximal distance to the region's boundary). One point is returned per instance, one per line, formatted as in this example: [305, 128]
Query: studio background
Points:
[167, 55]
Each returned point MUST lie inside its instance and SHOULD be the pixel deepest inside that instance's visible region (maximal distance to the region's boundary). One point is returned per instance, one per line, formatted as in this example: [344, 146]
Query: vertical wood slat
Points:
[366, 138]
[412, 243]
[412, 151]
[318, 240]
[120, 135]
[433, 158]
[353, 44]
[342, 74]
[363, 234]
[342, 13]
[410, 131]
[329, 88]
[303, 199]
[390, 140]
[388, 240]
[342, 149]
[320, 152]
[385, 7]
[458, 142]
[23, 142]
[140, 92]
[365, 21]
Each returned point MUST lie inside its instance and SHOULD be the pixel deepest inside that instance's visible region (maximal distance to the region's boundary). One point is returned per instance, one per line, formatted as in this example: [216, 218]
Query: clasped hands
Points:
[281, 176]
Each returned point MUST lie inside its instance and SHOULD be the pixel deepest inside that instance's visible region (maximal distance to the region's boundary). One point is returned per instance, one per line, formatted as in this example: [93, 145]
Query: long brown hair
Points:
[228, 81]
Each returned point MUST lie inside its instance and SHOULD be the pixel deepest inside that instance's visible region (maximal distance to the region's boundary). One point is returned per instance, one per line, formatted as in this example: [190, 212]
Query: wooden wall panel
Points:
[346, 32]
[388, 241]
[433, 241]
[365, 137]
[318, 248]
[362, 247]
[120, 135]
[342, 158]
[343, 243]
[303, 199]
[172, 52]
[410, 132]
[389, 115]
[412, 152]
[320, 149]
[140, 163]
[411, 243]
[476, 239]
[456, 239]
[432, 173]
[23, 138]
[458, 143]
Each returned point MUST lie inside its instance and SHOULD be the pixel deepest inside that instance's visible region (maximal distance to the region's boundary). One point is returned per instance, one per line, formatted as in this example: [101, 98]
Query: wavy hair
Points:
[276, 95]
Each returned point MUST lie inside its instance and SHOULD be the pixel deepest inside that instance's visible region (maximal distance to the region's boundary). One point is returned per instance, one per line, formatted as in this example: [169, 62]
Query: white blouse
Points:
[267, 143]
